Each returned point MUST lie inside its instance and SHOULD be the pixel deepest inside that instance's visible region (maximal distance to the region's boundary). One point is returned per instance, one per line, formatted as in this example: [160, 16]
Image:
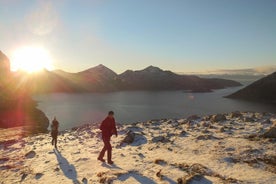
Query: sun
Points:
[31, 59]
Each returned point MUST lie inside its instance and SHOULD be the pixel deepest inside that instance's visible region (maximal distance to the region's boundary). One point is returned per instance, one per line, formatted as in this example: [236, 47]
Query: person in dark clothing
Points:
[108, 128]
[54, 131]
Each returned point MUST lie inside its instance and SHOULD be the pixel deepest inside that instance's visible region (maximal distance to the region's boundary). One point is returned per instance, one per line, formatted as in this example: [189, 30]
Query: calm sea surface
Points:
[134, 106]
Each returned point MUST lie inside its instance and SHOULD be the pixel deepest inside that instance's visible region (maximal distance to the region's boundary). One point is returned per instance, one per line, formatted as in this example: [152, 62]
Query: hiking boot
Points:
[101, 159]
[110, 162]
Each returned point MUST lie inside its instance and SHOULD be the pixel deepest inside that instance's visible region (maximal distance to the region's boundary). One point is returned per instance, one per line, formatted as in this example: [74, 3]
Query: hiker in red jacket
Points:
[108, 128]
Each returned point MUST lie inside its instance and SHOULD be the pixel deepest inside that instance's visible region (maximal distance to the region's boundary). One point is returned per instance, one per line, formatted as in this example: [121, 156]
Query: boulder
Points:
[236, 114]
[159, 139]
[193, 118]
[30, 154]
[183, 133]
[205, 124]
[248, 119]
[221, 129]
[207, 137]
[266, 121]
[218, 117]
[270, 133]
[130, 136]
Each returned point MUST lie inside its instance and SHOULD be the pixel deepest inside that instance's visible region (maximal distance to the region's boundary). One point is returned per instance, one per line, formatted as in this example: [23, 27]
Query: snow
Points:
[160, 153]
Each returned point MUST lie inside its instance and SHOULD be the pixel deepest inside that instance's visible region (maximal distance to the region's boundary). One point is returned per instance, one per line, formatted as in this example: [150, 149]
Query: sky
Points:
[177, 35]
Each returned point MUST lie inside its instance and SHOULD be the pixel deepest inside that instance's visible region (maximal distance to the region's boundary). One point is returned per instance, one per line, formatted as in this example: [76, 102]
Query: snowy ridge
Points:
[223, 148]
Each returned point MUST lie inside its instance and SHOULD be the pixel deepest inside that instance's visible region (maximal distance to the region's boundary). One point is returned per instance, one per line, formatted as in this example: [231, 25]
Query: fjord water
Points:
[136, 106]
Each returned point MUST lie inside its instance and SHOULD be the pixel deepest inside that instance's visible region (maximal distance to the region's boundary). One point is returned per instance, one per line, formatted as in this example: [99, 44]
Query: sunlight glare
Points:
[31, 59]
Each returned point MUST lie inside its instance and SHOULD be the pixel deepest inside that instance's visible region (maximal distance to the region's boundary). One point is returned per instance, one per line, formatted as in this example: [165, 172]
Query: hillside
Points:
[223, 148]
[262, 90]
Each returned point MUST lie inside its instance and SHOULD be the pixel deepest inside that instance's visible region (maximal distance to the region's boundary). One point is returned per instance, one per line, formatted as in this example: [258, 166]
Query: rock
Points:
[183, 133]
[84, 180]
[159, 139]
[248, 119]
[207, 118]
[38, 175]
[135, 128]
[205, 131]
[130, 136]
[205, 124]
[236, 114]
[229, 160]
[218, 118]
[141, 155]
[206, 137]
[76, 182]
[270, 133]
[194, 178]
[24, 175]
[30, 154]
[57, 169]
[222, 130]
[170, 135]
[159, 175]
[193, 118]
[266, 121]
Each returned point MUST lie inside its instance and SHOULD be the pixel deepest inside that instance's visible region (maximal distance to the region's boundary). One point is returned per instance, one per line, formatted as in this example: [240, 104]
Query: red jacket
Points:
[108, 127]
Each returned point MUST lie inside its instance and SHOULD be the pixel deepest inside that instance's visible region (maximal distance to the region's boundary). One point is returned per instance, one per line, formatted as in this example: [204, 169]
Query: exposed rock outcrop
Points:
[270, 133]
[218, 118]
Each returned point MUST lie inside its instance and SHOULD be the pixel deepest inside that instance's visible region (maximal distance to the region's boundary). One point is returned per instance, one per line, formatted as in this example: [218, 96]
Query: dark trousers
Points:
[107, 147]
[54, 138]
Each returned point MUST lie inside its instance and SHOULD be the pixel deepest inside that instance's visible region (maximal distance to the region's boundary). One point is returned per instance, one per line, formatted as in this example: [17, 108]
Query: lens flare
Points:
[31, 59]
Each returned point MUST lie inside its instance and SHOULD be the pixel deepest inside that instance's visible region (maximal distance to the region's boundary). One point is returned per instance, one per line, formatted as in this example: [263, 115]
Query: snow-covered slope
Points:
[212, 149]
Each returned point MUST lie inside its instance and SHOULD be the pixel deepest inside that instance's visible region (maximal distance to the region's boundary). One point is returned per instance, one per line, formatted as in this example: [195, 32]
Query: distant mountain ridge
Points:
[103, 79]
[263, 90]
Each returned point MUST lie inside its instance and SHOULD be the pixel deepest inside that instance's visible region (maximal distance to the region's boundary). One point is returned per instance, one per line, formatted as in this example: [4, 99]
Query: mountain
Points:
[153, 78]
[99, 78]
[16, 105]
[261, 90]
[103, 79]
